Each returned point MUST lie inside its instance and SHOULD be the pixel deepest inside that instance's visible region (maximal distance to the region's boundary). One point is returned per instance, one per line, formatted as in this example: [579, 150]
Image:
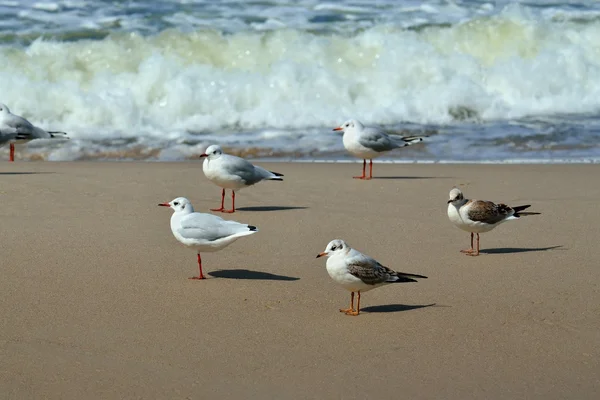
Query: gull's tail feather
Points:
[58, 135]
[245, 231]
[404, 277]
[278, 175]
[527, 213]
[518, 210]
[410, 140]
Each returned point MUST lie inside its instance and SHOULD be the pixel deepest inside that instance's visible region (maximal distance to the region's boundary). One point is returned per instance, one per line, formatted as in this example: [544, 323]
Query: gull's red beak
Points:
[339, 128]
[203, 155]
[165, 205]
[321, 255]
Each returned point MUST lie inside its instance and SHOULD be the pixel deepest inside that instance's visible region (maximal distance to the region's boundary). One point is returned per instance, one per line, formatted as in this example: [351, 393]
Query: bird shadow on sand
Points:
[248, 274]
[508, 250]
[269, 208]
[410, 177]
[25, 173]
[389, 308]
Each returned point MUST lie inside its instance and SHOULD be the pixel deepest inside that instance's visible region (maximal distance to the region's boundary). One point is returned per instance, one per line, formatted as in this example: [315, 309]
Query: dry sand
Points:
[96, 303]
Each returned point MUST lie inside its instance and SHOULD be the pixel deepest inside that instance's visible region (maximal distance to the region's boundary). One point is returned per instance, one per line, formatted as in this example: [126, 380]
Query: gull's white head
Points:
[456, 196]
[4, 109]
[212, 152]
[349, 125]
[179, 205]
[336, 246]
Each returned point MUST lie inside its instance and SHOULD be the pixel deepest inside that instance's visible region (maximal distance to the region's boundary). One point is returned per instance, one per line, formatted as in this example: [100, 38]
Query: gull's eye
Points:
[333, 248]
[176, 203]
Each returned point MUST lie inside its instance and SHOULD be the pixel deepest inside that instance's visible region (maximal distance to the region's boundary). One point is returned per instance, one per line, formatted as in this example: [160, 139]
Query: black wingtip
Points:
[276, 179]
[519, 214]
[276, 173]
[519, 211]
[404, 277]
[252, 228]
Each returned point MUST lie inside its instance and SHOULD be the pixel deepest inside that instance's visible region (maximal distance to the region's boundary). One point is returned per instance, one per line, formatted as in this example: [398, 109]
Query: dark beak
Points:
[164, 205]
[203, 155]
[449, 201]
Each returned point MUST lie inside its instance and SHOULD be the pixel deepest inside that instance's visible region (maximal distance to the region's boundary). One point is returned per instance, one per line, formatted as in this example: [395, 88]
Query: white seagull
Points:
[479, 216]
[358, 272]
[15, 128]
[203, 232]
[231, 172]
[369, 143]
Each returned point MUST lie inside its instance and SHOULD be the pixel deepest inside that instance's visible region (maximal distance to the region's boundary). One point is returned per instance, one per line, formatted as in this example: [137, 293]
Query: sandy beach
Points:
[96, 303]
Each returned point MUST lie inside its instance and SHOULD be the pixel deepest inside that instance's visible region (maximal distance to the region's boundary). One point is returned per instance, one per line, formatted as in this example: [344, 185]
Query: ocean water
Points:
[484, 80]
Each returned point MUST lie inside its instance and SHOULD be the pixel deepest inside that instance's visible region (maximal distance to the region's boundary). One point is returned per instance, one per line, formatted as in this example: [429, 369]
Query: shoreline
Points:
[449, 161]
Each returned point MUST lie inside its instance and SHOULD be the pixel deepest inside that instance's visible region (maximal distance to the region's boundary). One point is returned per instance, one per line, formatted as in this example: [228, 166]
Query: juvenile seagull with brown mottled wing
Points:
[358, 272]
[479, 216]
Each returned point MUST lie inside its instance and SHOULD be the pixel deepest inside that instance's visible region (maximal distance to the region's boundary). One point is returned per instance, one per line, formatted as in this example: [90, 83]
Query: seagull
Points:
[369, 143]
[358, 272]
[479, 216]
[231, 172]
[203, 232]
[15, 128]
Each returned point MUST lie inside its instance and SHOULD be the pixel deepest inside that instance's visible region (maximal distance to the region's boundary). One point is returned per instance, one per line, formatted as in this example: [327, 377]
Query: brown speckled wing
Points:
[369, 271]
[487, 212]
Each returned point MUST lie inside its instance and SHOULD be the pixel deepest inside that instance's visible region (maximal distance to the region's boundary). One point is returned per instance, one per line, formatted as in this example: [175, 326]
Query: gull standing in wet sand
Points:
[358, 272]
[231, 172]
[479, 216]
[203, 232]
[369, 143]
[15, 128]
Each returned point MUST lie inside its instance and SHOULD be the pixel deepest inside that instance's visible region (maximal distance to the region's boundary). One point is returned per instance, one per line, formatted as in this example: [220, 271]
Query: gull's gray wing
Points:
[377, 140]
[7, 135]
[488, 212]
[19, 124]
[209, 227]
[248, 173]
[21, 128]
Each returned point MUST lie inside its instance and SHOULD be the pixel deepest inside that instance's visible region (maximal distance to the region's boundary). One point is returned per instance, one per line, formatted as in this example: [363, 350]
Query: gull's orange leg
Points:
[232, 203]
[364, 176]
[222, 202]
[347, 310]
[471, 250]
[201, 276]
[12, 152]
[476, 252]
[357, 306]
[370, 170]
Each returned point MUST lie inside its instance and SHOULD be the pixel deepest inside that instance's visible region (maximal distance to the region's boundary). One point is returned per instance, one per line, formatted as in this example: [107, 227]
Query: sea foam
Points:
[175, 85]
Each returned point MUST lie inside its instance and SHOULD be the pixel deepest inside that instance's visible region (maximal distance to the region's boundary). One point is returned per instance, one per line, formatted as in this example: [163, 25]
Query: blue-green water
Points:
[489, 80]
